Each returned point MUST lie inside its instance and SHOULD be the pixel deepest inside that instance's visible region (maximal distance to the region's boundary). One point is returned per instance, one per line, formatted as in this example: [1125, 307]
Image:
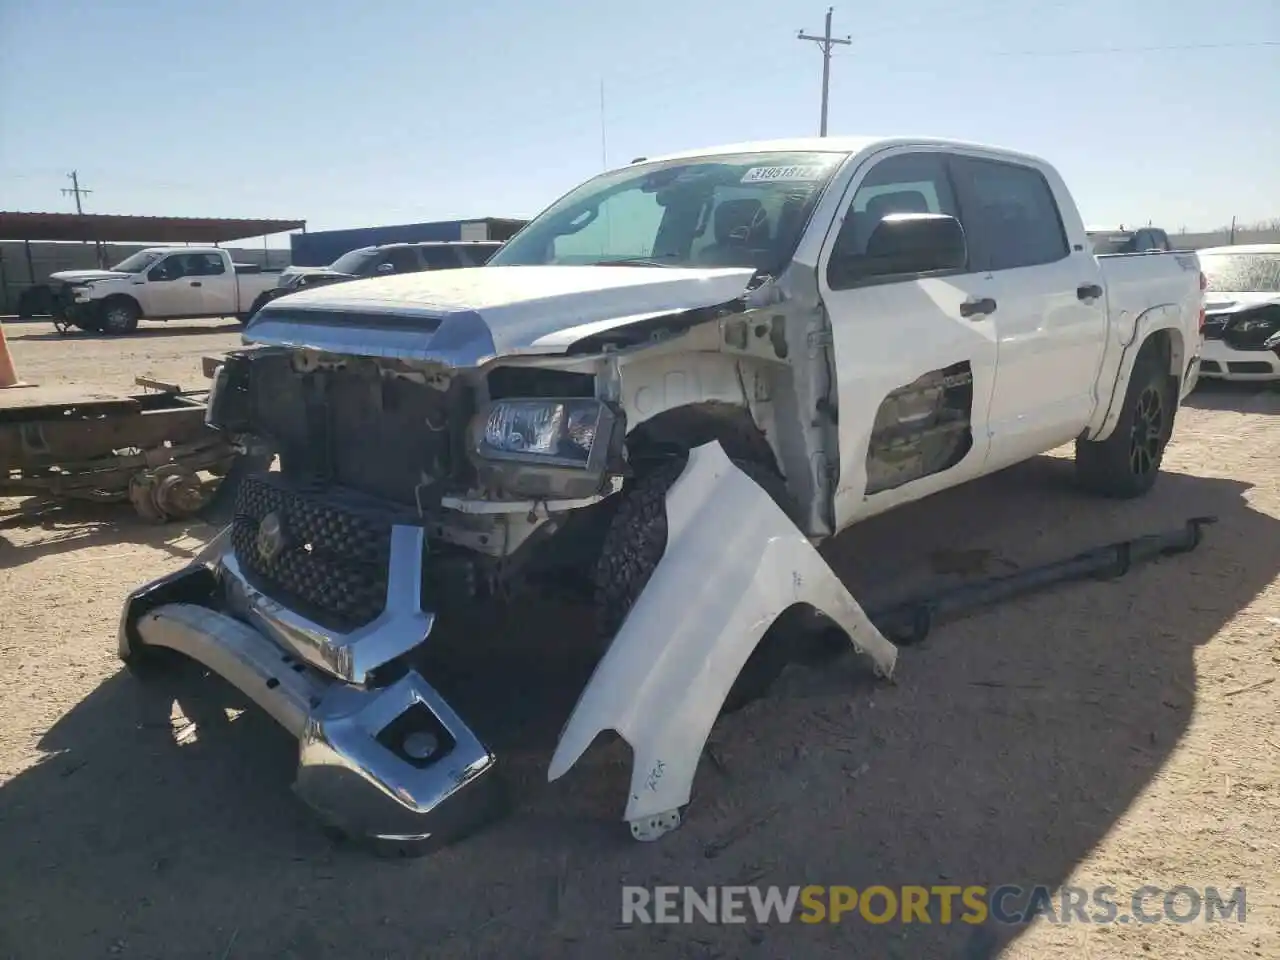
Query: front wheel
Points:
[119, 316]
[634, 545]
[1126, 464]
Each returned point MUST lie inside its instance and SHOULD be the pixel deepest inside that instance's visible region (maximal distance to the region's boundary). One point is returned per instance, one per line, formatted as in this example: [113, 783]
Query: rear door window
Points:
[1009, 214]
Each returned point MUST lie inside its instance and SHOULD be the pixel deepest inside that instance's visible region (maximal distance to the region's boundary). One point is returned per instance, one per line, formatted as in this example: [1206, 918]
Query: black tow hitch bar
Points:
[907, 622]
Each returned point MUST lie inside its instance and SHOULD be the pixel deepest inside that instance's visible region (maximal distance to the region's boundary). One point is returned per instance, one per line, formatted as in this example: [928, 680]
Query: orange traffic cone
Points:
[8, 373]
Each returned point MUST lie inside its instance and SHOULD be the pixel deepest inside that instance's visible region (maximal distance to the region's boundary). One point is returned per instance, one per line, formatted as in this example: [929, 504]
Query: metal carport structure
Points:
[98, 228]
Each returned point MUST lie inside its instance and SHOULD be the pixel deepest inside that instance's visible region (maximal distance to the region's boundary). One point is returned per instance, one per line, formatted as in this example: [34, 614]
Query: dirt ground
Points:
[1120, 733]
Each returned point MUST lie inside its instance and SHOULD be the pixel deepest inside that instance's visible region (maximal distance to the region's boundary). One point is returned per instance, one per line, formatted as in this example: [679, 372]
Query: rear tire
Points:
[1127, 463]
[633, 546]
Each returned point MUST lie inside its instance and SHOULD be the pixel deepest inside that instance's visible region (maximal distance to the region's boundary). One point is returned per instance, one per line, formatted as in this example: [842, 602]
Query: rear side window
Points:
[1010, 216]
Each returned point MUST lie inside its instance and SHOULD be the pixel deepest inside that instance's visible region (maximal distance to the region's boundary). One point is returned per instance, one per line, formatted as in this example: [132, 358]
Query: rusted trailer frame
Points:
[148, 448]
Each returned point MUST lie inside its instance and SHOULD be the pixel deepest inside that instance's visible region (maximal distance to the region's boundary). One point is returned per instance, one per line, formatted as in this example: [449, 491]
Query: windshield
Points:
[138, 262]
[1241, 272]
[354, 261]
[741, 210]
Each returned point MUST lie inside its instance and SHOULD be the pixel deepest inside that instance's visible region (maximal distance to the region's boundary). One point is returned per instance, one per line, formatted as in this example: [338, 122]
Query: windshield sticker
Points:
[798, 172]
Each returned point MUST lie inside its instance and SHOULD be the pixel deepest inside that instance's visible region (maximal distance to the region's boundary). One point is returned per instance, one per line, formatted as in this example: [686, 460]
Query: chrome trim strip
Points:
[238, 653]
[400, 627]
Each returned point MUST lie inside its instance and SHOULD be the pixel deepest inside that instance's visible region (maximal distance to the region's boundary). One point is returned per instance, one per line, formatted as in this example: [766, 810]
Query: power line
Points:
[1090, 51]
[76, 189]
[1086, 51]
[826, 42]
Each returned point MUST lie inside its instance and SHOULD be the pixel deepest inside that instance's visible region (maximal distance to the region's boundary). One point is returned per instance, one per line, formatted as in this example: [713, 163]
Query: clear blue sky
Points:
[351, 114]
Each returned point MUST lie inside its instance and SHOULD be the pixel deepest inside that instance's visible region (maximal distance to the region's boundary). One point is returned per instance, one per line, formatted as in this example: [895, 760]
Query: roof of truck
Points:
[834, 145]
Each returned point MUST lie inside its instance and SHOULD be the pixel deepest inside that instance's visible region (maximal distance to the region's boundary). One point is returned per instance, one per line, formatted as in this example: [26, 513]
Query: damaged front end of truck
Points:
[452, 454]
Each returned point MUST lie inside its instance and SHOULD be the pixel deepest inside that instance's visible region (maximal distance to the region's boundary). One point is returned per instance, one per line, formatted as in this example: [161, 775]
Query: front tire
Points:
[1127, 463]
[634, 545]
[119, 316]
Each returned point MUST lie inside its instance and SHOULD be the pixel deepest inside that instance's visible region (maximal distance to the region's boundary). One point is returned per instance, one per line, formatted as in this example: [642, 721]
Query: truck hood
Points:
[82, 276]
[466, 317]
[1234, 302]
[292, 271]
[293, 275]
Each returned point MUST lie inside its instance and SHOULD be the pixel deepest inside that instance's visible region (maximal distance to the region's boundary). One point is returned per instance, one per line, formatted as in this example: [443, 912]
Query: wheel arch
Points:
[1157, 330]
[106, 302]
[680, 429]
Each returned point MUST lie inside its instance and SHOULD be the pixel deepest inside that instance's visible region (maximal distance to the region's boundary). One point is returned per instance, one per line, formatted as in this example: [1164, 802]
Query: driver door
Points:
[168, 291]
[915, 354]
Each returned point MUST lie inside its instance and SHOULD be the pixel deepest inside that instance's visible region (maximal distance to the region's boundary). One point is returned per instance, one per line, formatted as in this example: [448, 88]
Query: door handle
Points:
[978, 308]
[195, 283]
[1088, 291]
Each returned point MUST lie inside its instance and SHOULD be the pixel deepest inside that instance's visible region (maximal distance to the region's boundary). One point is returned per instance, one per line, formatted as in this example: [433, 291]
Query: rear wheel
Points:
[633, 546]
[1126, 464]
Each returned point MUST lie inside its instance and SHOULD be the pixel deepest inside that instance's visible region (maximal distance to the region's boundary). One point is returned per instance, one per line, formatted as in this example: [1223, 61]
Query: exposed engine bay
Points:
[366, 443]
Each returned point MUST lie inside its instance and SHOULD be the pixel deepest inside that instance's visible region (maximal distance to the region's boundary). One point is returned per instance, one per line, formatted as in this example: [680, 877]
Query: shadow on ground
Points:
[1010, 745]
[1242, 397]
[68, 526]
[164, 329]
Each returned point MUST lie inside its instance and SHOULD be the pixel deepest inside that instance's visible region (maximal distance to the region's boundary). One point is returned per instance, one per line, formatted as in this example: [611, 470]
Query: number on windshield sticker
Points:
[776, 174]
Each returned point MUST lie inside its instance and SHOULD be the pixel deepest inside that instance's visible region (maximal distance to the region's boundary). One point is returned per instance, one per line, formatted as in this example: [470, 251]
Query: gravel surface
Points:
[1120, 733]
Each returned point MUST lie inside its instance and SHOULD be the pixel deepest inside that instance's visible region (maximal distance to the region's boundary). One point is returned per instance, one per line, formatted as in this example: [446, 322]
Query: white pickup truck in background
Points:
[660, 394]
[158, 283]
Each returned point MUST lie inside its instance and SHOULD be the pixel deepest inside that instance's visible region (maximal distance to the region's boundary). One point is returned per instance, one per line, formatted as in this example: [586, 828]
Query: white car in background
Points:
[1242, 312]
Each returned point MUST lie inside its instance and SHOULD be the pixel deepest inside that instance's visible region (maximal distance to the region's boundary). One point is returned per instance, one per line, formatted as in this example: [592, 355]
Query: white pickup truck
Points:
[665, 390]
[158, 283]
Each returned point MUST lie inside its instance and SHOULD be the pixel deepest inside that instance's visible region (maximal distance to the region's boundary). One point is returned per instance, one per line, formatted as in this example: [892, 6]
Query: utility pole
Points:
[826, 42]
[76, 189]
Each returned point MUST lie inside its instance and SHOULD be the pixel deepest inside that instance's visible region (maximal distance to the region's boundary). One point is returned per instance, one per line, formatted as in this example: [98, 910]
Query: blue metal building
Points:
[325, 246]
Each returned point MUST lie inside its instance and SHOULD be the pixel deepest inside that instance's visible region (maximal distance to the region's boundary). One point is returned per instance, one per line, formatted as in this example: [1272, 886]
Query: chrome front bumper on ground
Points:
[392, 764]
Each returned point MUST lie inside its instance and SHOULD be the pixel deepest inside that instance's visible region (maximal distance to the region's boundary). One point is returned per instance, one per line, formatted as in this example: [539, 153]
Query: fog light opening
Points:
[420, 745]
[417, 737]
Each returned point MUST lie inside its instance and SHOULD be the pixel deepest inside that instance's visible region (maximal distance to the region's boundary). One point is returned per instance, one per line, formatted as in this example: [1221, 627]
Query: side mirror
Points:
[912, 243]
[385, 268]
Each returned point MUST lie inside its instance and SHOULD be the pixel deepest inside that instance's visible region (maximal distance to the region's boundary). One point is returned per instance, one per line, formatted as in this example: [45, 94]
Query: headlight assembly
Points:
[546, 448]
[1255, 325]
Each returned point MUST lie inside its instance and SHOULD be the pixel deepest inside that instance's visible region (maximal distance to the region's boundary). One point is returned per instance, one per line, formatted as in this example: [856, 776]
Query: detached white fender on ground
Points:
[734, 562]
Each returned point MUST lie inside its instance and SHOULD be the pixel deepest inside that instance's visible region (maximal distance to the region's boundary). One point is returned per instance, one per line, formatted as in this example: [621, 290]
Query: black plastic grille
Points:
[332, 565]
[1214, 327]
